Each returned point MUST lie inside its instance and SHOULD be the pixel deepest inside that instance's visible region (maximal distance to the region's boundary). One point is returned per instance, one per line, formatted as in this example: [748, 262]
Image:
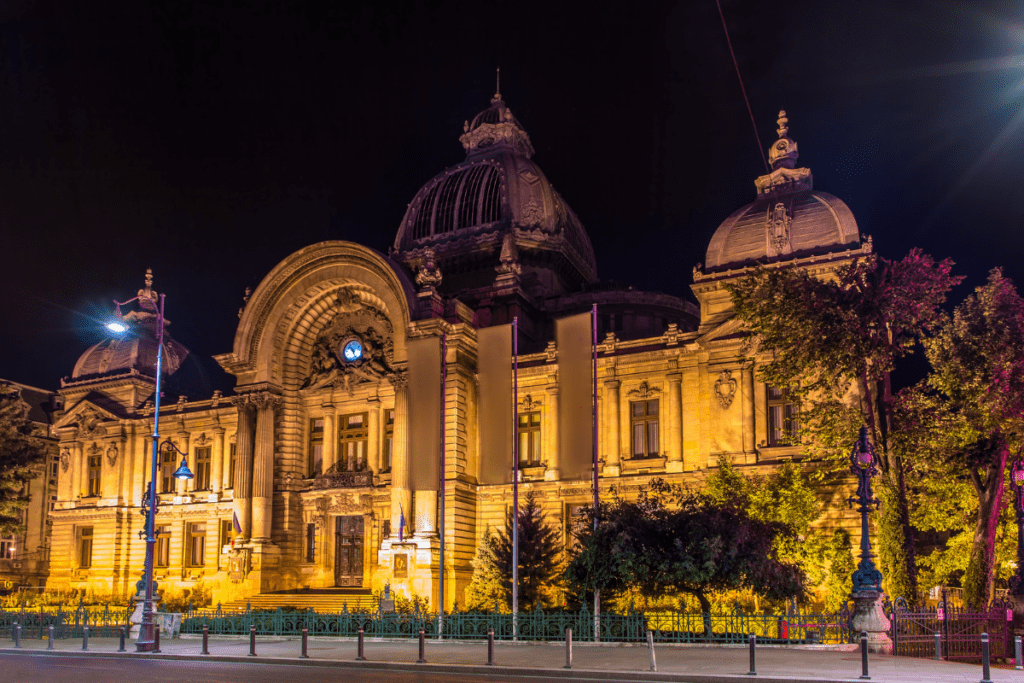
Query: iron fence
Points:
[913, 630]
[667, 627]
[67, 622]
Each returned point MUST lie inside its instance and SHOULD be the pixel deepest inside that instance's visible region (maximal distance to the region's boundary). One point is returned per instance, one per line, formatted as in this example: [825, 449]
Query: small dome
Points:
[135, 351]
[787, 220]
[497, 190]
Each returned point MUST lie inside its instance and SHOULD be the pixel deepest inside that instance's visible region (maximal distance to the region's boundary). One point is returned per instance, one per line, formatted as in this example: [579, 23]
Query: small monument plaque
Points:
[387, 604]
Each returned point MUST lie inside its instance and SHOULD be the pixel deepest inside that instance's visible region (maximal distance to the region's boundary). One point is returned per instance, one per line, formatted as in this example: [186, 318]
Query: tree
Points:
[539, 560]
[671, 539]
[486, 590]
[832, 344]
[21, 453]
[968, 414]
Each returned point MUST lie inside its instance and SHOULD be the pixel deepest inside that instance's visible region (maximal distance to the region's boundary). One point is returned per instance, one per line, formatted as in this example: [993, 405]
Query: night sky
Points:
[210, 140]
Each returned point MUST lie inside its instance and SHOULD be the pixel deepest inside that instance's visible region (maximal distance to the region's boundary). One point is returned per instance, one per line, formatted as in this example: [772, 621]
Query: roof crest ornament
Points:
[785, 177]
[497, 87]
[147, 291]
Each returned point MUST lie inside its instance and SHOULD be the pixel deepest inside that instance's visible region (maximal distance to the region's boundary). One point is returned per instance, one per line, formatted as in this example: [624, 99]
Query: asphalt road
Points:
[25, 669]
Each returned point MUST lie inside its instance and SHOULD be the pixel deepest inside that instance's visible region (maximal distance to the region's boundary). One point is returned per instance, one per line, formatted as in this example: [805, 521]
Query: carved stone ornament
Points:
[203, 440]
[94, 449]
[509, 257]
[779, 222]
[65, 459]
[530, 403]
[372, 333]
[429, 274]
[533, 214]
[90, 424]
[112, 454]
[725, 388]
[644, 392]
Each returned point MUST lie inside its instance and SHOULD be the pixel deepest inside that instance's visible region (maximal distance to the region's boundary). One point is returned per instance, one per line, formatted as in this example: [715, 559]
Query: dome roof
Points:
[787, 220]
[135, 351]
[497, 190]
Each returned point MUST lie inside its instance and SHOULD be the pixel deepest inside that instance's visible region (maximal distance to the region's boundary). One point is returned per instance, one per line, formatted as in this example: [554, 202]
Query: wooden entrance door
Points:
[348, 551]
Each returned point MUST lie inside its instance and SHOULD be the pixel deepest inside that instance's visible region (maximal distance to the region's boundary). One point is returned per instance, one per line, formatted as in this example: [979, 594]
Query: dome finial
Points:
[497, 86]
[783, 123]
[147, 291]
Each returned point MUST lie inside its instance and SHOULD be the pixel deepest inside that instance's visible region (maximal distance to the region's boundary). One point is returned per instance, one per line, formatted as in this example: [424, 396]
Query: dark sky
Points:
[209, 140]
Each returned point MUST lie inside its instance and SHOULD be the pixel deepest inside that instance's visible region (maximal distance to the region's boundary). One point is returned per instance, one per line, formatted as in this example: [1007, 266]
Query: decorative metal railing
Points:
[913, 629]
[67, 622]
[338, 478]
[667, 627]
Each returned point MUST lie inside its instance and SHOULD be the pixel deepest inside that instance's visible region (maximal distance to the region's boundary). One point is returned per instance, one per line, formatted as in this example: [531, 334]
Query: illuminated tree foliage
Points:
[21, 454]
[833, 344]
[674, 540]
[968, 415]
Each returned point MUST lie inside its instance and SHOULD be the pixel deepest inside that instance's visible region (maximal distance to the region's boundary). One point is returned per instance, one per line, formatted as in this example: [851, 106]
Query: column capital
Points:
[265, 399]
[674, 377]
[612, 383]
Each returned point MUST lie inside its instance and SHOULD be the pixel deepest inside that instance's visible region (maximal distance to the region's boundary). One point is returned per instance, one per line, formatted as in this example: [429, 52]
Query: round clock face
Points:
[352, 351]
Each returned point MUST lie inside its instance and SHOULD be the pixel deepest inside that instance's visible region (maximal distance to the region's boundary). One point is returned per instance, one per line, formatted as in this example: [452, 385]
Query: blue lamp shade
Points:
[183, 472]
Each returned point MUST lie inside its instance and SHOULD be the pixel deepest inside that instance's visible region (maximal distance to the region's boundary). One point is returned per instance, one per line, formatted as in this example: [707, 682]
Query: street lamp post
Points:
[868, 614]
[1017, 582]
[148, 301]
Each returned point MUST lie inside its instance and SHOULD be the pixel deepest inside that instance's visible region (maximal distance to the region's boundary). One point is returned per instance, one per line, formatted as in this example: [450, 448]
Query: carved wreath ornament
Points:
[725, 389]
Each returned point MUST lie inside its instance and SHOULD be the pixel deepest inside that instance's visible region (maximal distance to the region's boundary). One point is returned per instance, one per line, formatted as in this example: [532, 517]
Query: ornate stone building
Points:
[313, 451]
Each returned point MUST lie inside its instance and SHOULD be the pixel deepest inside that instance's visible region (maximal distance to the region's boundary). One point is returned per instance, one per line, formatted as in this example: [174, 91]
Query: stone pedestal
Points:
[410, 566]
[869, 616]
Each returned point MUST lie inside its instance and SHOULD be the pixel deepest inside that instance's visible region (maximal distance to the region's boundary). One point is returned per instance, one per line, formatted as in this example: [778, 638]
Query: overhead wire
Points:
[743, 89]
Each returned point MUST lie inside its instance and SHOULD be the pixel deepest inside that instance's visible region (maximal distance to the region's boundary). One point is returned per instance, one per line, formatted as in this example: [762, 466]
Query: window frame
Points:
[86, 535]
[787, 410]
[387, 452]
[95, 474]
[232, 452]
[357, 436]
[316, 438]
[162, 547]
[168, 461]
[309, 554]
[533, 441]
[192, 538]
[203, 468]
[650, 417]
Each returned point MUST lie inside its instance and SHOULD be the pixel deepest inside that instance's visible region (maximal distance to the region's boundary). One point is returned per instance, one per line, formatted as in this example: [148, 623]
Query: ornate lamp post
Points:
[867, 580]
[148, 301]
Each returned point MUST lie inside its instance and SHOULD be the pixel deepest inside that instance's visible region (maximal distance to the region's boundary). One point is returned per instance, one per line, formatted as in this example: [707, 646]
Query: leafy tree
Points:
[671, 539]
[539, 560]
[839, 583]
[968, 414]
[21, 453]
[833, 343]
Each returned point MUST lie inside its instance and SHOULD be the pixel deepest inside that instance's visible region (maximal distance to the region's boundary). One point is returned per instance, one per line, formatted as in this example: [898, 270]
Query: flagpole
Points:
[515, 476]
[440, 581]
[593, 346]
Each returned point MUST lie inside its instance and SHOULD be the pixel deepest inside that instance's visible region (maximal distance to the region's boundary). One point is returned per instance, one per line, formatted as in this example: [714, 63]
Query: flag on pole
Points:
[236, 528]
[401, 523]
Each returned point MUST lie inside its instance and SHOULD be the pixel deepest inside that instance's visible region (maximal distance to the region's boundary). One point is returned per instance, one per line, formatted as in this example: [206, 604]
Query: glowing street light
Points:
[117, 327]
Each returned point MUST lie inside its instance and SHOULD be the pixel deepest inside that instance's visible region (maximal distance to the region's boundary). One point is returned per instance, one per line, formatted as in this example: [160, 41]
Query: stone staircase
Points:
[322, 600]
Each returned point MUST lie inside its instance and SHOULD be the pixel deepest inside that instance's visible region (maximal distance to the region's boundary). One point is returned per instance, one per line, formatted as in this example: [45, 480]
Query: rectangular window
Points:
[389, 440]
[311, 542]
[352, 440]
[225, 532]
[203, 469]
[196, 544]
[54, 467]
[7, 548]
[53, 503]
[573, 517]
[95, 471]
[167, 467]
[529, 439]
[644, 424]
[316, 446]
[783, 423]
[162, 556]
[231, 467]
[85, 547]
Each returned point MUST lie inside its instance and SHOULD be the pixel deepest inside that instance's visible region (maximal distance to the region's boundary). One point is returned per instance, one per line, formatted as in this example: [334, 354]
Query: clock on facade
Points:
[352, 351]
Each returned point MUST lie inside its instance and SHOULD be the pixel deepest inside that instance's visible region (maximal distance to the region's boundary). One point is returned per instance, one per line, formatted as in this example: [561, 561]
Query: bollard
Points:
[85, 639]
[650, 646]
[864, 656]
[938, 647]
[120, 634]
[568, 648]
[156, 638]
[206, 640]
[16, 632]
[1018, 655]
[359, 650]
[305, 643]
[986, 674]
[753, 663]
[252, 640]
[49, 630]
[423, 657]
[490, 647]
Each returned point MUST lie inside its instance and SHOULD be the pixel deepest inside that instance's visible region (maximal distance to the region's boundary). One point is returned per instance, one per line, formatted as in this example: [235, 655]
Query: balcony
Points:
[337, 478]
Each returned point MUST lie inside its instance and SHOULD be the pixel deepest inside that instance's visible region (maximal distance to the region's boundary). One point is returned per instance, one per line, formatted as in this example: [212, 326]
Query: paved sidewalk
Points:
[692, 664]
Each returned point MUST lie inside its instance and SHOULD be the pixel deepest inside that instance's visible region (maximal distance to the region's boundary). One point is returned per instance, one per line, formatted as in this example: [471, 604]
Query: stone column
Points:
[374, 435]
[747, 378]
[330, 436]
[243, 465]
[400, 495]
[612, 415]
[551, 429]
[217, 464]
[674, 424]
[181, 486]
[263, 467]
[81, 465]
